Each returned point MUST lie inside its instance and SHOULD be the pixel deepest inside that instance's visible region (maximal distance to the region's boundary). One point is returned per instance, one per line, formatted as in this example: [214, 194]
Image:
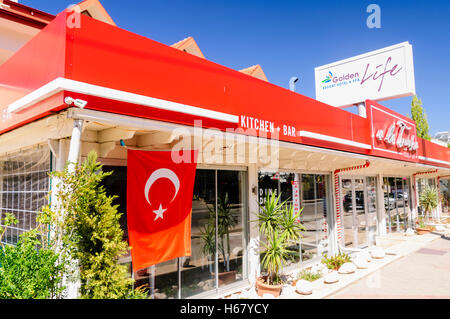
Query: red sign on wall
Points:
[392, 133]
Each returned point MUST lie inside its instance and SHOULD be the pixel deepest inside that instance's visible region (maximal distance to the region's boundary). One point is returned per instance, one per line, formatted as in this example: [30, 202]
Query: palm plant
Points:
[225, 221]
[279, 225]
[275, 255]
[429, 199]
[208, 236]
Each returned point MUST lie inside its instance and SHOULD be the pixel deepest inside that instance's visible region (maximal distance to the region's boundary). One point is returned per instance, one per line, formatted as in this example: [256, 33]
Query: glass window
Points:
[371, 187]
[309, 217]
[397, 203]
[197, 273]
[231, 219]
[24, 187]
[445, 193]
[313, 201]
[347, 212]
[267, 184]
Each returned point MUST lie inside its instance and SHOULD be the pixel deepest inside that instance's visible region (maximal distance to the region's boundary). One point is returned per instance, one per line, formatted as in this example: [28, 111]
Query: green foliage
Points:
[225, 221]
[270, 214]
[31, 269]
[335, 262]
[308, 275]
[419, 115]
[208, 236]
[278, 224]
[92, 234]
[429, 199]
[275, 255]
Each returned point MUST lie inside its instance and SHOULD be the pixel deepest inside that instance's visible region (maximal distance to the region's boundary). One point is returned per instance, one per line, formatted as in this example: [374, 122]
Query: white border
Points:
[63, 84]
[334, 139]
[423, 158]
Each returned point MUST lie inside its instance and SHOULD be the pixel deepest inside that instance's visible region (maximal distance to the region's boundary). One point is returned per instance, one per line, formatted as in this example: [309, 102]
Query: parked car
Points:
[389, 202]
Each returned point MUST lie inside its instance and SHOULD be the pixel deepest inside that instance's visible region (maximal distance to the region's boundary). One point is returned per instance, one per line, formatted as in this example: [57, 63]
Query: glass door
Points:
[371, 199]
[359, 214]
[359, 211]
[397, 203]
[347, 212]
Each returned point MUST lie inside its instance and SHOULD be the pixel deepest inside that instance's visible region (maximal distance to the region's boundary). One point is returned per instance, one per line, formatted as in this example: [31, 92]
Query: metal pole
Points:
[179, 279]
[151, 271]
[216, 259]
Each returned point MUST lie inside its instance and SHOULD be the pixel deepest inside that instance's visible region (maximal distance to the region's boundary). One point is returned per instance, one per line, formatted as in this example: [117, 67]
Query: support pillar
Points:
[439, 206]
[73, 158]
[332, 221]
[381, 211]
[253, 207]
[414, 200]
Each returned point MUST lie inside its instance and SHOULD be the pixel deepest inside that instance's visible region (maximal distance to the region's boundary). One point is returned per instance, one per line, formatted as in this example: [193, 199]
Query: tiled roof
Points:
[255, 71]
[190, 46]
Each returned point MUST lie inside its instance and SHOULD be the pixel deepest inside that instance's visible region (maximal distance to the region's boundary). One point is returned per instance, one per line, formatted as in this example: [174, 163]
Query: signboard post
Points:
[378, 75]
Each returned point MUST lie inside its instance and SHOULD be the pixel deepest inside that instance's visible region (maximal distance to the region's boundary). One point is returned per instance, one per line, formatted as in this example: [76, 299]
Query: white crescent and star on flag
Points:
[157, 174]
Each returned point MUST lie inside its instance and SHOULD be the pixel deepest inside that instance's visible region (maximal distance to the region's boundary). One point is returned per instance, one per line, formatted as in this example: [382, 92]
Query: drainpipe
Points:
[416, 191]
[292, 82]
[362, 110]
[338, 196]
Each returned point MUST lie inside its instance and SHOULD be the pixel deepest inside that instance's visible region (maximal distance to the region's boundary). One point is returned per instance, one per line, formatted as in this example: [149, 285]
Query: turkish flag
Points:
[159, 205]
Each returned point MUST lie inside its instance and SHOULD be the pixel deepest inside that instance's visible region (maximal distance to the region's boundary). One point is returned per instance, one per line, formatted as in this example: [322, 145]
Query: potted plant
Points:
[335, 262]
[429, 200]
[279, 226]
[208, 236]
[422, 228]
[225, 221]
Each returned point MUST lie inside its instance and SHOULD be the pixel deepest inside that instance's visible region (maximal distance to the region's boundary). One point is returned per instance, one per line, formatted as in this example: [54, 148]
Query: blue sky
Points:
[291, 38]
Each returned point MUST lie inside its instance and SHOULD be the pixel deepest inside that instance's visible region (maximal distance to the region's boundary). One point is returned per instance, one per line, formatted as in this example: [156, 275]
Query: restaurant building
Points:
[78, 83]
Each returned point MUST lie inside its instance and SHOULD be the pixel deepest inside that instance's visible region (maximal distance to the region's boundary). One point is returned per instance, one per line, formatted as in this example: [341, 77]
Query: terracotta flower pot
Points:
[422, 231]
[263, 288]
[227, 277]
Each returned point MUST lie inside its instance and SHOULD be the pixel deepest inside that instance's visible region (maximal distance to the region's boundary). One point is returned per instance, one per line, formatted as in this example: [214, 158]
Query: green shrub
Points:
[93, 235]
[429, 199]
[335, 262]
[308, 275]
[31, 269]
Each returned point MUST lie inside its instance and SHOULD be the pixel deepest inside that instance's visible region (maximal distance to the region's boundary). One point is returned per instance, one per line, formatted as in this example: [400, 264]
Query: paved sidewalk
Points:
[399, 243]
[419, 268]
[423, 274]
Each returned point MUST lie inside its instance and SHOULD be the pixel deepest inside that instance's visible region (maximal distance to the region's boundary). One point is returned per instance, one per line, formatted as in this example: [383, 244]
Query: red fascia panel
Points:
[108, 56]
[433, 154]
[39, 61]
[100, 54]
